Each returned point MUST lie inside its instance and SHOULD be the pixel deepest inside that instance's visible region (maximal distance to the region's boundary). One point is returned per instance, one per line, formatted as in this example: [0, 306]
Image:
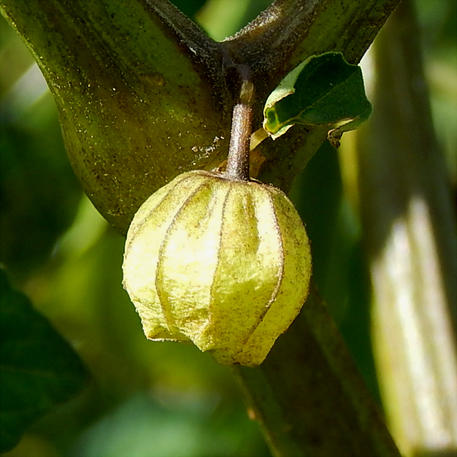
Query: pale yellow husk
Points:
[224, 264]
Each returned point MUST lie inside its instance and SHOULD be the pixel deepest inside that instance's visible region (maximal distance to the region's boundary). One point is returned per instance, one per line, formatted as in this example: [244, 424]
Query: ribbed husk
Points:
[223, 263]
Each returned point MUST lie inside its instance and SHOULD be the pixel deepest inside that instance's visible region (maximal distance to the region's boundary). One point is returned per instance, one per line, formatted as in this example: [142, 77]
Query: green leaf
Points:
[322, 90]
[38, 368]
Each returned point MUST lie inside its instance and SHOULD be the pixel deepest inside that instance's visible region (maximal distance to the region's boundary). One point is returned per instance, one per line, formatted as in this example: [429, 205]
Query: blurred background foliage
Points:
[165, 399]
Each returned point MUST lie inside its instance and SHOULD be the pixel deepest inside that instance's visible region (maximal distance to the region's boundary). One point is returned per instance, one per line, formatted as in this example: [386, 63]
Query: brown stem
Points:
[289, 31]
[238, 155]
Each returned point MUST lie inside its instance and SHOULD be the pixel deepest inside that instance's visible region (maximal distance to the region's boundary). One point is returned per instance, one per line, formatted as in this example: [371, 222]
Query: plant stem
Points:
[238, 156]
[138, 87]
[289, 31]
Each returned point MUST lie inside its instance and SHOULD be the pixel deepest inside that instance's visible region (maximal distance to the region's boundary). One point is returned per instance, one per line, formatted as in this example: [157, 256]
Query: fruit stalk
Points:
[238, 155]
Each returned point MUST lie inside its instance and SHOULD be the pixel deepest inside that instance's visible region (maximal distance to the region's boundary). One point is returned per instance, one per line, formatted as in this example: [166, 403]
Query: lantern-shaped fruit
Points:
[223, 263]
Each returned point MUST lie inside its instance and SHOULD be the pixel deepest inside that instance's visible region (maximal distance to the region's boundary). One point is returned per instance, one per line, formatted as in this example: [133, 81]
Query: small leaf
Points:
[322, 90]
[38, 368]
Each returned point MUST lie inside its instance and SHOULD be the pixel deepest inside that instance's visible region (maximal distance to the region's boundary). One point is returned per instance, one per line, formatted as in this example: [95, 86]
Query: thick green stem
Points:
[410, 232]
[140, 92]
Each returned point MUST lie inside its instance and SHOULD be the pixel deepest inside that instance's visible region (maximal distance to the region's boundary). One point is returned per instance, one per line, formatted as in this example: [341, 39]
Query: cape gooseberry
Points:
[223, 263]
